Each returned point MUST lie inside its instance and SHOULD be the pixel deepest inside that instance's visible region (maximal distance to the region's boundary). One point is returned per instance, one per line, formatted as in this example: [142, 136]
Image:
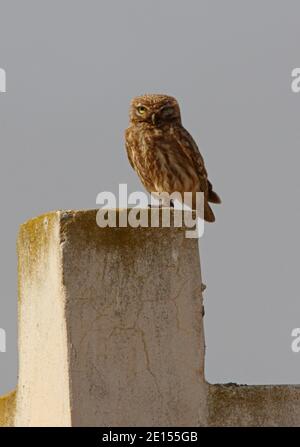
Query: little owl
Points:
[163, 153]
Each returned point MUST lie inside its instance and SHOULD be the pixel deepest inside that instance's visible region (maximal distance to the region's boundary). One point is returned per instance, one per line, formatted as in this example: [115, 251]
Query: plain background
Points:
[72, 68]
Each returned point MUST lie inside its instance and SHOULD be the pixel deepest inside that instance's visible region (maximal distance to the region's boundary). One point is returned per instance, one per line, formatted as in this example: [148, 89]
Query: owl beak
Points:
[153, 118]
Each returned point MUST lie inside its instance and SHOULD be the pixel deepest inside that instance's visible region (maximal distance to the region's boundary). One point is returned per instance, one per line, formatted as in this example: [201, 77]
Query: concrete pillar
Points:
[111, 333]
[110, 325]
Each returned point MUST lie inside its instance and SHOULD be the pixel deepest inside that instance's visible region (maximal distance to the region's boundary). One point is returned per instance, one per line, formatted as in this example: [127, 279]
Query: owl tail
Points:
[212, 195]
[208, 213]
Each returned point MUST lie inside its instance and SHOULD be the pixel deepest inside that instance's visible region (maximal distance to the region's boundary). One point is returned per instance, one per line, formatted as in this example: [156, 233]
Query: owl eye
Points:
[142, 110]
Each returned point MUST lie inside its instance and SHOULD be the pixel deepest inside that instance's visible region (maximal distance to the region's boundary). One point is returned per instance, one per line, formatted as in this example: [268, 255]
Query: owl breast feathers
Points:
[163, 153]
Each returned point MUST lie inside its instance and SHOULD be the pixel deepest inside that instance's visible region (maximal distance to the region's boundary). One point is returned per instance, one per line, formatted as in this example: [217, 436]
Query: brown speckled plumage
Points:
[163, 153]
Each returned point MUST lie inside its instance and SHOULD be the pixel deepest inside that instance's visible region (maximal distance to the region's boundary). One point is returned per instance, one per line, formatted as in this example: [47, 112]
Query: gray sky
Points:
[72, 68]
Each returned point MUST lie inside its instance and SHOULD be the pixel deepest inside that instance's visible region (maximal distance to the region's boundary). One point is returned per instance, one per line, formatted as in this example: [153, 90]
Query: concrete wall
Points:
[253, 406]
[111, 333]
[110, 325]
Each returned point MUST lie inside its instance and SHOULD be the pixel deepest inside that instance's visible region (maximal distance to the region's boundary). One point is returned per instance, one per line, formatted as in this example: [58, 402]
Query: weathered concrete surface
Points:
[110, 325]
[253, 406]
[110, 333]
[43, 396]
[133, 313]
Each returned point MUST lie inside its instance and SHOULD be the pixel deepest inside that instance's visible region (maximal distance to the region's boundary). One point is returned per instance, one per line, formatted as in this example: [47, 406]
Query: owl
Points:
[163, 153]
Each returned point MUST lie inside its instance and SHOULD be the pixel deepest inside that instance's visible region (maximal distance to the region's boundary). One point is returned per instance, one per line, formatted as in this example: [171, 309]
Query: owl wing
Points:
[129, 146]
[190, 149]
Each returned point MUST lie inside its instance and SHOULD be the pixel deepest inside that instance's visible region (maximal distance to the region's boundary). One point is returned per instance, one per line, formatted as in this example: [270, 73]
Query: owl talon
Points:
[162, 205]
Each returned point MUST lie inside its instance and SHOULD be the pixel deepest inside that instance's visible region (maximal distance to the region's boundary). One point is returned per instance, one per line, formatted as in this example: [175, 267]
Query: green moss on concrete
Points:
[242, 405]
[88, 230]
[33, 243]
[79, 230]
[7, 409]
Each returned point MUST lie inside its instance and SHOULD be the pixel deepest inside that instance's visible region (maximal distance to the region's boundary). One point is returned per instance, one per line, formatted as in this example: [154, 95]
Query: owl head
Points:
[154, 110]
